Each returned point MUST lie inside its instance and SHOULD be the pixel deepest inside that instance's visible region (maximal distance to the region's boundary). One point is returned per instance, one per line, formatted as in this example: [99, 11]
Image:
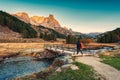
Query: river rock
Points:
[34, 54]
[74, 67]
[1, 59]
[68, 61]
[66, 66]
[58, 69]
[104, 53]
[58, 62]
[116, 47]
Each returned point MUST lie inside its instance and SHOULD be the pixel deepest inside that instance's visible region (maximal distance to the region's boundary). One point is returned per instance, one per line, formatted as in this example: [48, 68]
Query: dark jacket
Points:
[78, 44]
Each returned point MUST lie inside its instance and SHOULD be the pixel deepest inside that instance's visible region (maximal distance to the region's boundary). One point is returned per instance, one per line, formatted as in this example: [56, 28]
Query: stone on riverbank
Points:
[58, 69]
[74, 67]
[1, 59]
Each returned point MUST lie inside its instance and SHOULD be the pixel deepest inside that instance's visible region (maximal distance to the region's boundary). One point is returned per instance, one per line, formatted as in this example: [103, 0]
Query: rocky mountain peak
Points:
[22, 16]
[52, 22]
[51, 16]
[49, 22]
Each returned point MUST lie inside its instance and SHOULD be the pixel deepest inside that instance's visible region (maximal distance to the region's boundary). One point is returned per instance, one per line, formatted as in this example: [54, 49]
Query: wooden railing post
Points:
[55, 47]
[63, 48]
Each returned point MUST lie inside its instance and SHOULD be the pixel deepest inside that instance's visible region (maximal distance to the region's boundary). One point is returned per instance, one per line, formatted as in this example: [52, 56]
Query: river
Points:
[21, 66]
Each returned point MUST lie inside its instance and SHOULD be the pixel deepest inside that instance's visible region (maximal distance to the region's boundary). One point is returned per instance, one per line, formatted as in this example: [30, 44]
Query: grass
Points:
[112, 61]
[84, 73]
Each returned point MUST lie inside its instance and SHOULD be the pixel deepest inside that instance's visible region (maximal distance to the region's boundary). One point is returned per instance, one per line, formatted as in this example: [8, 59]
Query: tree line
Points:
[110, 37]
[70, 39]
[48, 37]
[49, 34]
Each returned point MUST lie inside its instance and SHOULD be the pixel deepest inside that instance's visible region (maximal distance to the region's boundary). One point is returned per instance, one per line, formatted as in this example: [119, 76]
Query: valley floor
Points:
[7, 49]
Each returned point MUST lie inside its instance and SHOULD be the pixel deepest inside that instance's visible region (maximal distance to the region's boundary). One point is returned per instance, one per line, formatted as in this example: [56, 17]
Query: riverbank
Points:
[82, 72]
[8, 50]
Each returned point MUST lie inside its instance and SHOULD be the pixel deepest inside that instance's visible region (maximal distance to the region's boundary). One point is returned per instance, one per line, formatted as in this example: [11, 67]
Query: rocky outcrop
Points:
[22, 16]
[37, 20]
[49, 22]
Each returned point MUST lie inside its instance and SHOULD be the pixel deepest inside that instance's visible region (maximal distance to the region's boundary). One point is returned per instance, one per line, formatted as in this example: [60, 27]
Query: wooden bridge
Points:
[61, 48]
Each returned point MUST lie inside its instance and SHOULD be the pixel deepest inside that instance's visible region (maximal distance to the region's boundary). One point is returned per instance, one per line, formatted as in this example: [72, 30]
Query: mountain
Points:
[8, 21]
[93, 35]
[109, 36]
[14, 28]
[49, 22]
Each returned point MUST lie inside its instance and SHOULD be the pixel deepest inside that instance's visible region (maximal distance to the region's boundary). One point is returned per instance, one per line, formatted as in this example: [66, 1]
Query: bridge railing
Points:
[66, 48]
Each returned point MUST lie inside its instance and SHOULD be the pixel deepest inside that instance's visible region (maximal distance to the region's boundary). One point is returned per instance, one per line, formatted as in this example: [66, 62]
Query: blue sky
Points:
[80, 15]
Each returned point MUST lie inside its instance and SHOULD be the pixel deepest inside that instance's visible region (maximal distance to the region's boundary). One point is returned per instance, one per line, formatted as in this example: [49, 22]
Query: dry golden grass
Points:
[91, 45]
[9, 48]
[95, 45]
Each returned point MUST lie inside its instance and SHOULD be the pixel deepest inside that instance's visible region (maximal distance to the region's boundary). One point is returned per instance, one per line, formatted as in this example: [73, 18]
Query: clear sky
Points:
[80, 15]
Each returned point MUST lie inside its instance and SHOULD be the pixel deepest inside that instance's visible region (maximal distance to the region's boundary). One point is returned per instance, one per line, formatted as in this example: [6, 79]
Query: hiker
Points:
[79, 47]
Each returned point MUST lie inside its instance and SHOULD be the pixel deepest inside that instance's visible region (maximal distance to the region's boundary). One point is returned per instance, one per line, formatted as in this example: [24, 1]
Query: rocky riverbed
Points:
[27, 62]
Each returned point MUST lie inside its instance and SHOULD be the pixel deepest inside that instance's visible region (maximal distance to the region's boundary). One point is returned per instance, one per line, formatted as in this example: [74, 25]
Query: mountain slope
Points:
[44, 31]
[17, 25]
[110, 36]
[5, 32]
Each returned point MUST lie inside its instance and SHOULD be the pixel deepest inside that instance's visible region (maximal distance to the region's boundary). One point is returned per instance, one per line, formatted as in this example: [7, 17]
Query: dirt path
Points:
[108, 72]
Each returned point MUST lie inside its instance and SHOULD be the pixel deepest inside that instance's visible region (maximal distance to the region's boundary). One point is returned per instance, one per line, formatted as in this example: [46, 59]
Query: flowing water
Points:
[94, 51]
[21, 66]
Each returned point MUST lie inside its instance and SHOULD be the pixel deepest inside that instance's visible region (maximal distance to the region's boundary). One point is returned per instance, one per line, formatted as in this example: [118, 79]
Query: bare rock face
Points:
[22, 16]
[37, 20]
[49, 22]
[53, 20]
